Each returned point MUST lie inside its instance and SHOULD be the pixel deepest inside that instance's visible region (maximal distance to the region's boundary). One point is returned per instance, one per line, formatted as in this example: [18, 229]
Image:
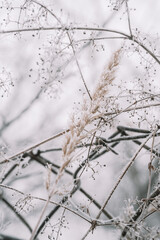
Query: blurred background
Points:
[41, 87]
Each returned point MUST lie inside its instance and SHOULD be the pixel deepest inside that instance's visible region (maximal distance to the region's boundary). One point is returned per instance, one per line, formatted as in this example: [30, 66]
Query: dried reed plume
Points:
[89, 111]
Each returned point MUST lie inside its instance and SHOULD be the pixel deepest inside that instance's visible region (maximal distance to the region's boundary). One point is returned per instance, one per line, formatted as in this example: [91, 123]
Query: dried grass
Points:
[89, 111]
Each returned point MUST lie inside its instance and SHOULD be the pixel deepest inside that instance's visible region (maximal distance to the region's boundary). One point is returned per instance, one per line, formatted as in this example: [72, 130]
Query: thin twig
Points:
[150, 167]
[78, 65]
[128, 16]
[34, 146]
[132, 109]
[60, 226]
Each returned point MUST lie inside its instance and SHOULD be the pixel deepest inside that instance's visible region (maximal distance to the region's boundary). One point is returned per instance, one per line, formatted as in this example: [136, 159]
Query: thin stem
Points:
[34, 146]
[60, 226]
[150, 166]
[128, 16]
[64, 29]
[132, 108]
[77, 62]
[40, 218]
